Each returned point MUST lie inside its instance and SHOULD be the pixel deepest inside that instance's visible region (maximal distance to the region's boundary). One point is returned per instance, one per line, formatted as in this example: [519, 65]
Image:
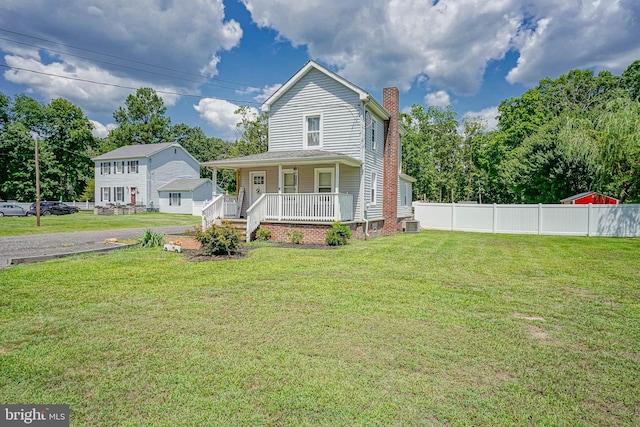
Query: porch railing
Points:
[311, 207]
[212, 211]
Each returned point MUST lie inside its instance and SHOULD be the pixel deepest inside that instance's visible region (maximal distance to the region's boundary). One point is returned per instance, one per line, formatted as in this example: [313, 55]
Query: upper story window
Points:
[374, 123]
[313, 131]
[105, 168]
[119, 167]
[132, 166]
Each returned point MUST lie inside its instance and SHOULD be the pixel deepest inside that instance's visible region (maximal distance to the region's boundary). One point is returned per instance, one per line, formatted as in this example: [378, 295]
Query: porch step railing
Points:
[308, 207]
[212, 211]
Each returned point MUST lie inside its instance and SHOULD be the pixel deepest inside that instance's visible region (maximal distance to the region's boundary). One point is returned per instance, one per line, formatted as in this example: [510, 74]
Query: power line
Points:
[119, 57]
[118, 65]
[166, 92]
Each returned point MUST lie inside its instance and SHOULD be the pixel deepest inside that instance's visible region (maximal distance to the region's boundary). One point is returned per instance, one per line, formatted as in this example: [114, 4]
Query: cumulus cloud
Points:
[220, 114]
[100, 130]
[261, 94]
[437, 99]
[174, 35]
[448, 44]
[487, 115]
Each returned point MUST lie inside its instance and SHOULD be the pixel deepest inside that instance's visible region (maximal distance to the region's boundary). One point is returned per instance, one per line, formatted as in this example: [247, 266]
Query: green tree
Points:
[254, 133]
[141, 121]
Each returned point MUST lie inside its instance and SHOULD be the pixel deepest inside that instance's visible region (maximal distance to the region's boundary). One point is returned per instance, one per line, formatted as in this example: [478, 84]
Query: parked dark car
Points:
[11, 210]
[53, 208]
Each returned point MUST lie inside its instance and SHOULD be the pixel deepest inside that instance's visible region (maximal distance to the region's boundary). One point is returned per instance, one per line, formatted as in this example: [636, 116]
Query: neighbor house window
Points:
[119, 167]
[313, 131]
[105, 194]
[324, 180]
[374, 185]
[289, 181]
[175, 199]
[132, 166]
[118, 194]
[105, 168]
[373, 133]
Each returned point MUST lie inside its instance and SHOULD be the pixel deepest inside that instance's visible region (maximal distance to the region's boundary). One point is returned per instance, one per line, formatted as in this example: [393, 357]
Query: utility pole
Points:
[37, 186]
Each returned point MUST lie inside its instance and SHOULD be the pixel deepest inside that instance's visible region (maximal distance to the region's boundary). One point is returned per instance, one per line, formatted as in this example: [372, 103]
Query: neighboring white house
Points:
[186, 195]
[133, 174]
[334, 154]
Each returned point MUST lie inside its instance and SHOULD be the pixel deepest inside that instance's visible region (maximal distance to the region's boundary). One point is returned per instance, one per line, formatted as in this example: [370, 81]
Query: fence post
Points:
[539, 218]
[589, 220]
[453, 216]
[495, 218]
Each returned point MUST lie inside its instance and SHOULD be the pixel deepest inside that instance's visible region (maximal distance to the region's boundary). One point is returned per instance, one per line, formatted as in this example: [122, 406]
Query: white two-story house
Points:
[144, 174]
[334, 154]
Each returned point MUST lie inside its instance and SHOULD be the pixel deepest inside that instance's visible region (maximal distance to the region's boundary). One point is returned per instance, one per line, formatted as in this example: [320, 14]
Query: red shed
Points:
[590, 197]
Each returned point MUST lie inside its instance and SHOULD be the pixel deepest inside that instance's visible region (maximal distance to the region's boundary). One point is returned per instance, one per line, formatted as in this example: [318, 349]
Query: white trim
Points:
[316, 182]
[251, 189]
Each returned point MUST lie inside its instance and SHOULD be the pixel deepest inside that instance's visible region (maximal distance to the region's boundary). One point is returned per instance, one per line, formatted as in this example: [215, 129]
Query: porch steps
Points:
[238, 224]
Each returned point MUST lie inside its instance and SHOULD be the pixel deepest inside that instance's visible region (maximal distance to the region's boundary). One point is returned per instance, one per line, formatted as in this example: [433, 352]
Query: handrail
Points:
[255, 215]
[212, 211]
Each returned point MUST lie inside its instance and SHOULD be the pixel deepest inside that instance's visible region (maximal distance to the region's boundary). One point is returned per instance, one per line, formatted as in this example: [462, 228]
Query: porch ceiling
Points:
[284, 158]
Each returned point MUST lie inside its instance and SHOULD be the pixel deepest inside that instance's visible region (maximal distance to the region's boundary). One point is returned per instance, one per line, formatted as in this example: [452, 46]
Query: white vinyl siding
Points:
[317, 94]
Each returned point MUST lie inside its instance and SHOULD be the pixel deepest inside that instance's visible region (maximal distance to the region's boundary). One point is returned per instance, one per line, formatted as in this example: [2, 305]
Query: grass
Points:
[83, 221]
[438, 328]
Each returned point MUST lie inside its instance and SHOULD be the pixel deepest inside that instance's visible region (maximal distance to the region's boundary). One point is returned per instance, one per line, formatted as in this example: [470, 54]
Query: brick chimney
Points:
[390, 102]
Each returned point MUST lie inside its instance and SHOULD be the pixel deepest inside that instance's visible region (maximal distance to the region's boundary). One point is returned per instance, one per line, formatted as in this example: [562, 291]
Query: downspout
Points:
[363, 154]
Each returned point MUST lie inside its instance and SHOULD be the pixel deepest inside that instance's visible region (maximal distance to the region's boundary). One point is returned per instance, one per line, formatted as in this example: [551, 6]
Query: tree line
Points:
[66, 143]
[579, 132]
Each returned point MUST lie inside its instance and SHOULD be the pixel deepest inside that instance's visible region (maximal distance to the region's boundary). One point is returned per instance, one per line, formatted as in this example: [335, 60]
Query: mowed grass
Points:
[438, 328]
[85, 221]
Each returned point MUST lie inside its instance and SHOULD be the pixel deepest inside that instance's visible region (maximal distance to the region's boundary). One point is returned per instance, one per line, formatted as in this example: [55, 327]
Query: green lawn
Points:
[438, 328]
[83, 221]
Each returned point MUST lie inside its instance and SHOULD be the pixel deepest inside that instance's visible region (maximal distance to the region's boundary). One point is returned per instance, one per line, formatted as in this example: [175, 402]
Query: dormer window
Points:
[313, 131]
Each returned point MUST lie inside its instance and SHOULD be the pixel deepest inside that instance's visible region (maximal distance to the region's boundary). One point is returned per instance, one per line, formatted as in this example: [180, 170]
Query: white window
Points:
[374, 186]
[324, 180]
[132, 166]
[313, 131]
[105, 194]
[118, 194]
[289, 181]
[175, 199]
[119, 167]
[374, 123]
[105, 168]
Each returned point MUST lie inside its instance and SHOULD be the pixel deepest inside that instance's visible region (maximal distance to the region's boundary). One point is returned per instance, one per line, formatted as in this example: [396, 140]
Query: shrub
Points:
[295, 236]
[338, 234]
[150, 239]
[217, 240]
[263, 234]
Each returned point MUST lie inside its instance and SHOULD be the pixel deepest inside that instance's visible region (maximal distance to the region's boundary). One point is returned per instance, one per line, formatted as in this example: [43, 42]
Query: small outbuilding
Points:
[590, 197]
[186, 195]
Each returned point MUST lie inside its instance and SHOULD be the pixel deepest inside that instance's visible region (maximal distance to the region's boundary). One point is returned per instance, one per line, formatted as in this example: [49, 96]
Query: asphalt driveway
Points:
[32, 248]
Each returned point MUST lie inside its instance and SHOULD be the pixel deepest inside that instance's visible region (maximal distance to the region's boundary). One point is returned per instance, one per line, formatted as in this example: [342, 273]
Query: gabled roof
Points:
[312, 65]
[294, 157]
[136, 151]
[186, 184]
[585, 194]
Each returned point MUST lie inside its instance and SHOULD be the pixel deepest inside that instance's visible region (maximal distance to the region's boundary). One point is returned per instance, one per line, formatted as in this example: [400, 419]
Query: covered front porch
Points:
[298, 187]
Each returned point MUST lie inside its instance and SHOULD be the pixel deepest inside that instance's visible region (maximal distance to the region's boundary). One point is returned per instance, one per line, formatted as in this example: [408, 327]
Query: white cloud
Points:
[220, 114]
[174, 35]
[437, 99]
[100, 130]
[261, 94]
[448, 45]
[487, 115]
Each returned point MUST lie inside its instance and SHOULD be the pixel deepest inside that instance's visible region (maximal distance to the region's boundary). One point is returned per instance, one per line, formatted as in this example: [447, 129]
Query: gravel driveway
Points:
[57, 244]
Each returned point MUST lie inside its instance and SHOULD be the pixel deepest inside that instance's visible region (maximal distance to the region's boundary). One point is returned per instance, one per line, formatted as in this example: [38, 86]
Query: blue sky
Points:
[467, 53]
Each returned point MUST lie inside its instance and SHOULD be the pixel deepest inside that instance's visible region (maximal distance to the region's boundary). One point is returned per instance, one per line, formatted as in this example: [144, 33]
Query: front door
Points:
[133, 195]
[258, 181]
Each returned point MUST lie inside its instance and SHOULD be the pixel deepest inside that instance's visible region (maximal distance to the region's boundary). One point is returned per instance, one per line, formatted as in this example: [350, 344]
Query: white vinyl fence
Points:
[570, 220]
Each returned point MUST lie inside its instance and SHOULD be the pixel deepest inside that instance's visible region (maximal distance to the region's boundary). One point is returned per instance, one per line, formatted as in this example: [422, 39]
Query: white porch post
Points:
[280, 192]
[214, 178]
[336, 214]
